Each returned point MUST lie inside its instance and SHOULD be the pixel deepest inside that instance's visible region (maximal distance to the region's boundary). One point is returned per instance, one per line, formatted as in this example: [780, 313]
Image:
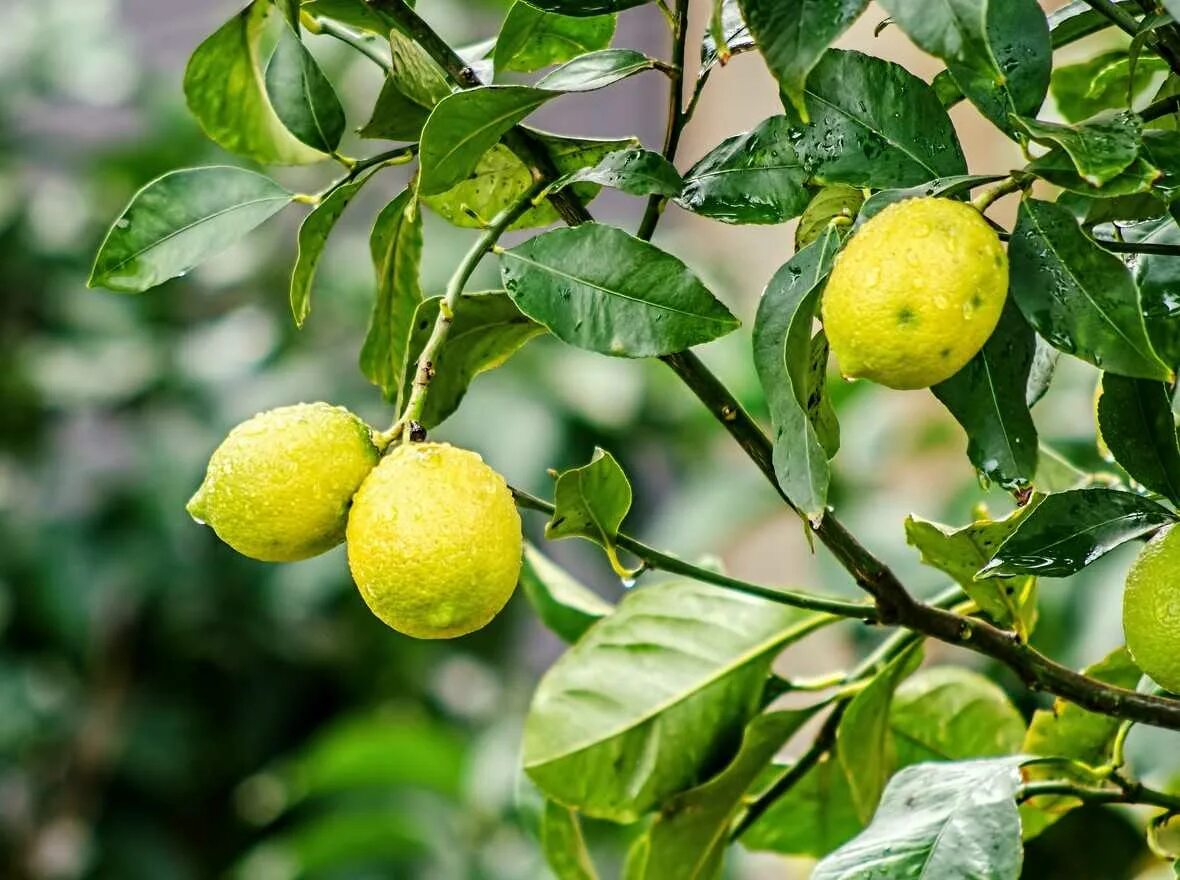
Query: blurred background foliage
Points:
[170, 710]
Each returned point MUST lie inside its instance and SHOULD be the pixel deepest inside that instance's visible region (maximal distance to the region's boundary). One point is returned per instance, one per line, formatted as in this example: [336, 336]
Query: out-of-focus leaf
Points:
[486, 330]
[531, 39]
[615, 744]
[501, 179]
[313, 236]
[1104, 82]
[563, 845]
[596, 287]
[637, 172]
[962, 552]
[874, 124]
[794, 34]
[782, 356]
[998, 51]
[1079, 297]
[395, 246]
[224, 87]
[690, 833]
[1136, 420]
[1101, 147]
[301, 95]
[988, 398]
[954, 821]
[178, 220]
[864, 741]
[591, 502]
[756, 177]
[1069, 530]
[564, 605]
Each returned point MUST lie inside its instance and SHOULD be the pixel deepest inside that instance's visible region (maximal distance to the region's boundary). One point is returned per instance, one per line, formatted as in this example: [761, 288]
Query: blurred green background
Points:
[170, 710]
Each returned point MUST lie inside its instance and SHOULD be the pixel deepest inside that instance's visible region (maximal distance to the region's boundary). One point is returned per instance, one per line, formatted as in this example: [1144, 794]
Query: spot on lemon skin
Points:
[434, 541]
[915, 294]
[279, 486]
[1151, 609]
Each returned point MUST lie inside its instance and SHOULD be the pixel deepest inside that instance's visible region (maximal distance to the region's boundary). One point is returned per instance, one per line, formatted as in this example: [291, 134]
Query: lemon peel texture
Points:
[1151, 609]
[916, 293]
[434, 541]
[279, 486]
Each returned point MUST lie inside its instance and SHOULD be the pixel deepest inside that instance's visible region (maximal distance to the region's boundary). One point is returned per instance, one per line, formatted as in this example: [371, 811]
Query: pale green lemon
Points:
[915, 294]
[434, 541]
[1151, 609]
[279, 486]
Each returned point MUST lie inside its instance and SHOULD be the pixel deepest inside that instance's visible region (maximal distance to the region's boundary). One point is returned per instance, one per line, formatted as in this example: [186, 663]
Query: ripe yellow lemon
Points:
[1151, 609]
[916, 293]
[434, 541]
[279, 486]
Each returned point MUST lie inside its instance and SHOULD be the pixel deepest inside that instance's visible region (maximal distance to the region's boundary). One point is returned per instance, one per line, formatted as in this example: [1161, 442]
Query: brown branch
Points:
[895, 604]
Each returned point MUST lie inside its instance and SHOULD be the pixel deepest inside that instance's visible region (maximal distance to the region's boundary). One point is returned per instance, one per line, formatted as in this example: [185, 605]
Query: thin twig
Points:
[677, 117]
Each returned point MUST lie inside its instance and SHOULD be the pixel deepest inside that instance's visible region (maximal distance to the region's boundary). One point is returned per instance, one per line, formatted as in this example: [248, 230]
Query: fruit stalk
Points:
[442, 324]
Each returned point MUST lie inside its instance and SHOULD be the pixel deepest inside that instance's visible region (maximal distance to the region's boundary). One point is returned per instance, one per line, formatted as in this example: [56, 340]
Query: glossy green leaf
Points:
[637, 172]
[224, 87]
[794, 34]
[591, 502]
[417, 74]
[955, 186]
[1104, 82]
[1058, 169]
[531, 39]
[596, 287]
[820, 410]
[782, 355]
[735, 37]
[1069, 530]
[1079, 297]
[1136, 420]
[873, 123]
[839, 203]
[395, 246]
[585, 7]
[313, 236]
[1158, 278]
[301, 95]
[563, 845]
[1101, 147]
[178, 220]
[756, 177]
[614, 744]
[565, 606]
[953, 821]
[465, 125]
[998, 51]
[486, 330]
[961, 552]
[948, 713]
[690, 833]
[501, 179]
[988, 398]
[864, 741]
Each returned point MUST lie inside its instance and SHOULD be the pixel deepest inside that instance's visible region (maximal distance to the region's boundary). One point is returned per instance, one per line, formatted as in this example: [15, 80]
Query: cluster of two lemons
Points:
[434, 540]
[913, 297]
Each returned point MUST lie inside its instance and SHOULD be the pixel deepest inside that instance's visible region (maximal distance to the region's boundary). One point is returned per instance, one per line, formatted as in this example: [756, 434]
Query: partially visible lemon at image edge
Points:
[916, 293]
[434, 541]
[1151, 609]
[279, 486]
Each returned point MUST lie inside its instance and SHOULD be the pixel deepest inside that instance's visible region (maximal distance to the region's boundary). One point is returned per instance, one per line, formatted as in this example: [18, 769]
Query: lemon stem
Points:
[1014, 182]
[424, 372]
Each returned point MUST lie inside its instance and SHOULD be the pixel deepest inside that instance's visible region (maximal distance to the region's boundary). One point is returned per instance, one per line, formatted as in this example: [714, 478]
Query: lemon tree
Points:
[659, 715]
